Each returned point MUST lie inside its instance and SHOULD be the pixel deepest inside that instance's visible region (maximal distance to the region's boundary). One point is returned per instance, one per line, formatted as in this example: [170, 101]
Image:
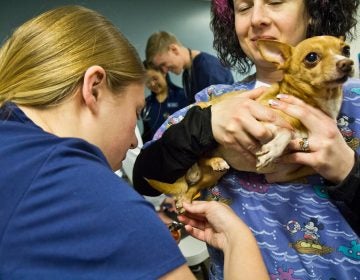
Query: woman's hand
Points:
[236, 123]
[328, 155]
[216, 224]
[212, 222]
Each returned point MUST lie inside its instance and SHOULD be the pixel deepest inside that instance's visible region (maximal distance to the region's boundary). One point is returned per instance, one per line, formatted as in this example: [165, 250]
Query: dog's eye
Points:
[346, 51]
[311, 58]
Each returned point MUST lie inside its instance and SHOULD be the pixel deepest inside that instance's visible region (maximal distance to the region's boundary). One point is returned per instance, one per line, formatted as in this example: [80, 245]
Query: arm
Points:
[348, 192]
[216, 224]
[177, 150]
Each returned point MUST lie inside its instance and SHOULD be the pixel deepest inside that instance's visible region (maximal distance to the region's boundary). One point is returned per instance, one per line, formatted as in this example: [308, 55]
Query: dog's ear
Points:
[275, 52]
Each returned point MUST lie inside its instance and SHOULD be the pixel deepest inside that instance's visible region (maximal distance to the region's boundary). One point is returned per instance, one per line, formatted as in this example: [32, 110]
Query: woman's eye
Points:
[275, 2]
[241, 8]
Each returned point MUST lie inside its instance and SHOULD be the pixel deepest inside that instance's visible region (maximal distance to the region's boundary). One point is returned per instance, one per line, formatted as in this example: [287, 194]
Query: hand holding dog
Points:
[236, 124]
[329, 154]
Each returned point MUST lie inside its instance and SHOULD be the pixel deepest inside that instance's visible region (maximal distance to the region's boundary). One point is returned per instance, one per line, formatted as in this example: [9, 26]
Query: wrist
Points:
[237, 236]
[343, 169]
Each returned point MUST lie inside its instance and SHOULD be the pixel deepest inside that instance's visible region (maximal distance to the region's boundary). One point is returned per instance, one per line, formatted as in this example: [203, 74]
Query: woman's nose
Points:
[134, 142]
[260, 16]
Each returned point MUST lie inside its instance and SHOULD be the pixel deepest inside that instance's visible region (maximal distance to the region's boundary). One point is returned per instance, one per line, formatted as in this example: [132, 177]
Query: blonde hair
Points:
[44, 61]
[159, 42]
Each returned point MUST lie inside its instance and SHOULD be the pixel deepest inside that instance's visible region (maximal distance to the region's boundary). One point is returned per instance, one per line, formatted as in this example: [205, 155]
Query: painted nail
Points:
[273, 103]
[281, 96]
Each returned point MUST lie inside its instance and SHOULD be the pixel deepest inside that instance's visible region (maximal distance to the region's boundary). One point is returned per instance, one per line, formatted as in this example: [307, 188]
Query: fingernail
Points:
[273, 103]
[281, 96]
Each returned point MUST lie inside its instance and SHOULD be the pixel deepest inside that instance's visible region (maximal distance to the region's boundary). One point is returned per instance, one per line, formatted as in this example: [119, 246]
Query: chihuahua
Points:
[313, 71]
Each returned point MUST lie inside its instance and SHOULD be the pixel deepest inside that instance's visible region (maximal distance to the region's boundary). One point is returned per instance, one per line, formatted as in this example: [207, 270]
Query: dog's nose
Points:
[345, 65]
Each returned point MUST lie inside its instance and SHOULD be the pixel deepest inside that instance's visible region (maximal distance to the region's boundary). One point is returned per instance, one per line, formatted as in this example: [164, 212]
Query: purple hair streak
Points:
[222, 10]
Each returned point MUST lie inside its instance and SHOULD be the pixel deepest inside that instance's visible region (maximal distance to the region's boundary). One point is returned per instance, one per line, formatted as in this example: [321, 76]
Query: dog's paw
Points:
[219, 164]
[179, 205]
[179, 200]
[264, 160]
[262, 163]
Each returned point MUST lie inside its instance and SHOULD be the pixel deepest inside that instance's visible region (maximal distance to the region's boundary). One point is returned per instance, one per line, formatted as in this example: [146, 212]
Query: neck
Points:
[44, 118]
[269, 77]
[326, 99]
[161, 96]
[163, 93]
[57, 120]
[191, 54]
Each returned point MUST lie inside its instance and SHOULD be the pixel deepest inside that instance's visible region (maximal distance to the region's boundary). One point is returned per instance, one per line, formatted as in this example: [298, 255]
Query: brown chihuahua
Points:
[313, 71]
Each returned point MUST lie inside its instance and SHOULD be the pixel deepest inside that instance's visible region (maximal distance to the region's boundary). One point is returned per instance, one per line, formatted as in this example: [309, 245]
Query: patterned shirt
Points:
[301, 233]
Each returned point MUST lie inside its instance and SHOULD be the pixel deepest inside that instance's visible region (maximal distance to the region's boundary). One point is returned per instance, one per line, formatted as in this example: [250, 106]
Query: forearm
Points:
[176, 151]
[348, 193]
[243, 259]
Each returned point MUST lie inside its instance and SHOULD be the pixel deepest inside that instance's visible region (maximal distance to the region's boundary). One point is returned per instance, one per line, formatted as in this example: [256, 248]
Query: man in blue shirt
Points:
[199, 69]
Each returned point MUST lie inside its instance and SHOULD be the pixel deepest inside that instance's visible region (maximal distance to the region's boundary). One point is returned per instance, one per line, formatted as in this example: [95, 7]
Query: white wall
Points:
[355, 49]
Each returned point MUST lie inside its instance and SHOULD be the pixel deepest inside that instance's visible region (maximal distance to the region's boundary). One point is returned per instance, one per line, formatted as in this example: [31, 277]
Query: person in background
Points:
[199, 69]
[71, 89]
[302, 232]
[165, 99]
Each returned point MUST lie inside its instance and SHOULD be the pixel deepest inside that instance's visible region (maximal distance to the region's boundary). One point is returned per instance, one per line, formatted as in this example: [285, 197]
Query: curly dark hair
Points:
[328, 17]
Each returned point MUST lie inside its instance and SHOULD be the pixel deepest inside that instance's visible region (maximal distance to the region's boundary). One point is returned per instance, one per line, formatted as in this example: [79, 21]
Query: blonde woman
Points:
[71, 89]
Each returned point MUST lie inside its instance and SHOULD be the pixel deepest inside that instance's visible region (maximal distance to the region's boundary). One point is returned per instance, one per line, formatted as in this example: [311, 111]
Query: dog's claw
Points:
[262, 152]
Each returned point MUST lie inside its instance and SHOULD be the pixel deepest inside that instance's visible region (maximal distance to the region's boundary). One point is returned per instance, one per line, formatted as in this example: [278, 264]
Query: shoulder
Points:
[206, 58]
[174, 88]
[212, 70]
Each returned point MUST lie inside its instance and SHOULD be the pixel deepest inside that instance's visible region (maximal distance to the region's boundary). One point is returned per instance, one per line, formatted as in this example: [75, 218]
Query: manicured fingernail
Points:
[281, 96]
[273, 103]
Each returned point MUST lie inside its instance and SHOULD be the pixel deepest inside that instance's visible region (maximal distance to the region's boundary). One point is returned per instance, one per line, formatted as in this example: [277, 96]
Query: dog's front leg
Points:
[274, 148]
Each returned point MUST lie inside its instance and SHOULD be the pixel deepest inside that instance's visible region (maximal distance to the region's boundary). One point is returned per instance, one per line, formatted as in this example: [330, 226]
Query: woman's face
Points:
[155, 81]
[118, 121]
[283, 20]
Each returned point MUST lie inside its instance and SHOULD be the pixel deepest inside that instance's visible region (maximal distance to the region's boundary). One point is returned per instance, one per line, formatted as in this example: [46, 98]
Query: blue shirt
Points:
[206, 70]
[65, 215]
[155, 113]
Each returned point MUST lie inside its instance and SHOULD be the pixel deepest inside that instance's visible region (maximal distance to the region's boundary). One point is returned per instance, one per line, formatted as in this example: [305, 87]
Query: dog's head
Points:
[322, 61]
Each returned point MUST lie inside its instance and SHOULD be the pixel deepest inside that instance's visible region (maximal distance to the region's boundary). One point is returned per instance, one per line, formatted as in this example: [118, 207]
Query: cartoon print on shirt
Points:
[310, 242]
[352, 252]
[355, 91]
[214, 194]
[254, 183]
[343, 123]
[321, 191]
[283, 275]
